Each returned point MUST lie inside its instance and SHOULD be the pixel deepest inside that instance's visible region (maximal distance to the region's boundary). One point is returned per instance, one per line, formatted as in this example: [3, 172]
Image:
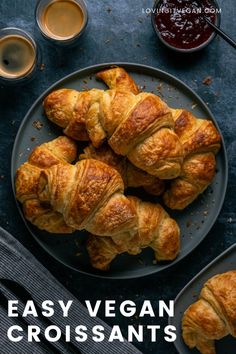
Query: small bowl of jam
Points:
[181, 24]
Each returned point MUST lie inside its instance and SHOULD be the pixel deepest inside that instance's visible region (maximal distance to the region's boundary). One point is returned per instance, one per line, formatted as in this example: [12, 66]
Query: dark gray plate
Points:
[223, 263]
[195, 222]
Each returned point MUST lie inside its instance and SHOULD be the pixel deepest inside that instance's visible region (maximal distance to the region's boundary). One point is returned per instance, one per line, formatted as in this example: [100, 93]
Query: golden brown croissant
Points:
[90, 196]
[61, 150]
[136, 125]
[68, 108]
[201, 142]
[131, 175]
[118, 78]
[155, 229]
[213, 316]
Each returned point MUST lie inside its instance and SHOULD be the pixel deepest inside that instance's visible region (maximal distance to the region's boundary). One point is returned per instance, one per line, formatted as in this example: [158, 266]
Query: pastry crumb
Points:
[42, 67]
[37, 124]
[188, 223]
[207, 81]
[142, 87]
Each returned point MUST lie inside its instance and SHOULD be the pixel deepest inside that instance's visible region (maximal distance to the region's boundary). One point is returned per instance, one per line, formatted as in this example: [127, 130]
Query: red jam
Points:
[181, 22]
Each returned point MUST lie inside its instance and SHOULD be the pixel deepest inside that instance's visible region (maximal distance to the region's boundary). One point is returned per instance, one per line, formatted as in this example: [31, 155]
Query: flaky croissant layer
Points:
[155, 229]
[61, 150]
[90, 196]
[163, 142]
[131, 175]
[137, 125]
[201, 141]
[60, 198]
[213, 316]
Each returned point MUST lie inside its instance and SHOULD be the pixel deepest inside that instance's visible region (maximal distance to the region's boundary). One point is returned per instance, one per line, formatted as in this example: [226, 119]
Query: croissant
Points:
[67, 108]
[201, 142]
[90, 196]
[136, 125]
[131, 175]
[61, 150]
[155, 229]
[213, 316]
[118, 78]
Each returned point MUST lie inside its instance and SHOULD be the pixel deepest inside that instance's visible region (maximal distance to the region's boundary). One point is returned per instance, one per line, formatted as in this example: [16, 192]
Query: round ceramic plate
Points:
[223, 263]
[195, 221]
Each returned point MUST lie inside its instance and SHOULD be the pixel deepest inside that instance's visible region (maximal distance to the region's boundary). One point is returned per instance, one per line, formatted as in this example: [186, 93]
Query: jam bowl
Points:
[181, 24]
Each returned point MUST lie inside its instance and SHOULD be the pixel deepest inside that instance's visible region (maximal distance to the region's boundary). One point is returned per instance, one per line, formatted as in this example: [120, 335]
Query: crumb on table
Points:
[42, 67]
[207, 81]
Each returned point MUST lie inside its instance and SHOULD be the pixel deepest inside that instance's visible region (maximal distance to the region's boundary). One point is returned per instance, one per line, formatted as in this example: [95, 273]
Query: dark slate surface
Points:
[120, 31]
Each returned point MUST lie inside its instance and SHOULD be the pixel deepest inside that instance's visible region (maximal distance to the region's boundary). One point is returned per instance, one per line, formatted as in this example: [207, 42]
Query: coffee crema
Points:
[17, 56]
[62, 19]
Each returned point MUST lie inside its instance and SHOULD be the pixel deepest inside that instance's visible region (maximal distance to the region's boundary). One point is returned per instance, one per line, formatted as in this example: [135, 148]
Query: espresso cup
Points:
[61, 21]
[18, 56]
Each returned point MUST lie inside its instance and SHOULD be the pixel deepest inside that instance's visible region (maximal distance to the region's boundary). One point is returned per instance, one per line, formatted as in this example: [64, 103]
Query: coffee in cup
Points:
[17, 56]
[61, 21]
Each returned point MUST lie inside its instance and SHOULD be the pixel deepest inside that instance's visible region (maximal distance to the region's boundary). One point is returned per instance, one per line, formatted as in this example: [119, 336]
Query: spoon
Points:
[216, 28]
[221, 33]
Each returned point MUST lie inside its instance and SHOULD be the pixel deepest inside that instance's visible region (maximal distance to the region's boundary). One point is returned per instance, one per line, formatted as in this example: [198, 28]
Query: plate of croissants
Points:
[119, 170]
[205, 310]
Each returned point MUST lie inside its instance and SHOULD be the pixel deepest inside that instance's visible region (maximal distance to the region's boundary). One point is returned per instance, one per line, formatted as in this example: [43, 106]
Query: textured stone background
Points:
[119, 31]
